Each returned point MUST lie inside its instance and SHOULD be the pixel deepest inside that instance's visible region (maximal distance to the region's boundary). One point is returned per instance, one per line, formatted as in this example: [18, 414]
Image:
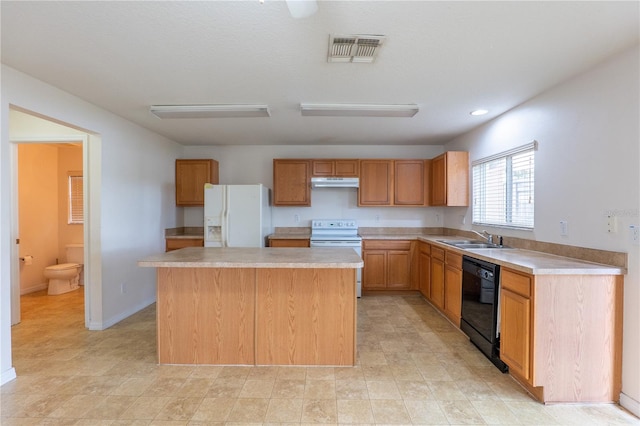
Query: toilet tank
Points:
[75, 253]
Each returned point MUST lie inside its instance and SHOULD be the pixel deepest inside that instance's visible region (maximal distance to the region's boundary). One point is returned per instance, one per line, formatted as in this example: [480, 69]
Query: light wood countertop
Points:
[241, 257]
[531, 262]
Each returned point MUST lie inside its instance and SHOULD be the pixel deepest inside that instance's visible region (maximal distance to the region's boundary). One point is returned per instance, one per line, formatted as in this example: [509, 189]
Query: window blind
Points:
[76, 210]
[503, 188]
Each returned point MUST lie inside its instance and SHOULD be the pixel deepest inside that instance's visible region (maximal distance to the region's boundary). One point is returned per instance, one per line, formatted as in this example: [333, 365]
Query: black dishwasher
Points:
[480, 307]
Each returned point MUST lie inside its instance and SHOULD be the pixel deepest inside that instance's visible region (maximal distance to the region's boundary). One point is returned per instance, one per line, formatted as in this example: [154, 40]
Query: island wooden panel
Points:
[205, 315]
[305, 317]
[577, 338]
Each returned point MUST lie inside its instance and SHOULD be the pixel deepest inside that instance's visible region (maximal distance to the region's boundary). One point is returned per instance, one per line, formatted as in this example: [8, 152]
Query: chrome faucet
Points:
[487, 236]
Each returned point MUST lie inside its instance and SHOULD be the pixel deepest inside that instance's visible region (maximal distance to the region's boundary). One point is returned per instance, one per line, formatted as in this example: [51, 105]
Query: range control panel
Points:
[334, 224]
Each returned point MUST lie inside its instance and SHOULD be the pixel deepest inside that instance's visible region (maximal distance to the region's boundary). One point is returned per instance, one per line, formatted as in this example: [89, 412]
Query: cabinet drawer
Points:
[517, 283]
[178, 243]
[292, 242]
[386, 245]
[453, 259]
[425, 248]
[437, 253]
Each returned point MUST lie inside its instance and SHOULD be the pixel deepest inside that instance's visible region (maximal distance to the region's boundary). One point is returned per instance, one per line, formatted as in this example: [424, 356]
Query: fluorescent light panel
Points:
[210, 111]
[359, 110]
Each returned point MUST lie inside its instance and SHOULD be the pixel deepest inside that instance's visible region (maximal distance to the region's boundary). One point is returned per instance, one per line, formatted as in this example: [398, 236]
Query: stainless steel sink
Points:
[472, 244]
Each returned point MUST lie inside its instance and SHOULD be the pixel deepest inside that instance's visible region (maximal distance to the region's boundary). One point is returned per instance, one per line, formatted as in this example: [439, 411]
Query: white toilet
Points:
[66, 277]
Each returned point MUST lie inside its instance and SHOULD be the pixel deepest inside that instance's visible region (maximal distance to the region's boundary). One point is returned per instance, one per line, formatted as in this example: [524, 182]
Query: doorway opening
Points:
[47, 159]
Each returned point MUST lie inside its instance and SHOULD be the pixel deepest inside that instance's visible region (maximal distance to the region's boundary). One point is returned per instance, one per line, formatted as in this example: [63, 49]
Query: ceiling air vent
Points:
[354, 48]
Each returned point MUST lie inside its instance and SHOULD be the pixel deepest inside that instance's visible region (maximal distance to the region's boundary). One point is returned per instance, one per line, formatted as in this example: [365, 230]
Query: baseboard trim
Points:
[33, 289]
[103, 325]
[7, 376]
[630, 404]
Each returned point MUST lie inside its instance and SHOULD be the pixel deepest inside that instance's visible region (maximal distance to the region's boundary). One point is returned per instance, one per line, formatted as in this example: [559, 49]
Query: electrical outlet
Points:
[564, 228]
[634, 234]
[377, 218]
[296, 218]
[612, 224]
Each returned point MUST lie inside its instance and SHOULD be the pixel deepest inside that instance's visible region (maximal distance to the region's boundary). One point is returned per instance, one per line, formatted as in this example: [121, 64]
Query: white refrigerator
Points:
[236, 215]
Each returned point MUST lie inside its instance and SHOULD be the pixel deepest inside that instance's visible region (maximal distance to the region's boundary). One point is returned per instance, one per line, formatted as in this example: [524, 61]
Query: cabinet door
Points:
[437, 282]
[375, 183]
[323, 168]
[374, 273]
[450, 179]
[515, 332]
[424, 259]
[453, 293]
[347, 168]
[409, 183]
[191, 175]
[398, 270]
[291, 183]
[515, 317]
[439, 181]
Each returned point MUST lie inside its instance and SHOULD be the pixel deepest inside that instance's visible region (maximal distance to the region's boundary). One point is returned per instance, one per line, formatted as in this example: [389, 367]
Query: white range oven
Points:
[338, 233]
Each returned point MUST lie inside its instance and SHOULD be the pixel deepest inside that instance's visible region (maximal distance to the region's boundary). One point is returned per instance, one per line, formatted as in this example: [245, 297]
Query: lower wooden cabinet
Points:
[515, 313]
[437, 277]
[424, 267]
[290, 242]
[453, 286]
[561, 334]
[387, 265]
[178, 243]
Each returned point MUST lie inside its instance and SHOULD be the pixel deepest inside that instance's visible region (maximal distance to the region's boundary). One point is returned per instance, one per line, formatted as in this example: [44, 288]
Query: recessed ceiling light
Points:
[479, 112]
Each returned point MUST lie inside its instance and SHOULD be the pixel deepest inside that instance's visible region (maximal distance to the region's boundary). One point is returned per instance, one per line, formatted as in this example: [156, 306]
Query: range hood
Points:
[334, 182]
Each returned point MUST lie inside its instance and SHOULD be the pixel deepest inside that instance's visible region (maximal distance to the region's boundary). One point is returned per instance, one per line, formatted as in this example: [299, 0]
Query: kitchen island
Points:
[256, 306]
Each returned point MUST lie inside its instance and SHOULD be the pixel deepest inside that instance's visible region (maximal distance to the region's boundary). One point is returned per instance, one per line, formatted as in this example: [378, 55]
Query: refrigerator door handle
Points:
[225, 217]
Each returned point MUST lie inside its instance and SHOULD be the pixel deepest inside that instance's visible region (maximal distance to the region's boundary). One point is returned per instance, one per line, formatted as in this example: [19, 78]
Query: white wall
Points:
[254, 164]
[136, 200]
[587, 166]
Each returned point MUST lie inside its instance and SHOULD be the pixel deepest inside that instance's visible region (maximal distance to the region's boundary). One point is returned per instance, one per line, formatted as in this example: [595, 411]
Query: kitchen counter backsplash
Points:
[368, 232]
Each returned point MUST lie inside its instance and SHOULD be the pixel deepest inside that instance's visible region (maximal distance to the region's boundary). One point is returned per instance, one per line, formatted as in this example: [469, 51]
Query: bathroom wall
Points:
[44, 232]
[69, 159]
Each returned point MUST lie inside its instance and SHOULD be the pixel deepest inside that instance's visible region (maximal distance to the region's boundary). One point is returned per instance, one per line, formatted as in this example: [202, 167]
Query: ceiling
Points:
[447, 57]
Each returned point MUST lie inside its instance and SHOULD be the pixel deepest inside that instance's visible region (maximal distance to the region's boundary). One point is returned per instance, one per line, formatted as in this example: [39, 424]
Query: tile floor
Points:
[414, 367]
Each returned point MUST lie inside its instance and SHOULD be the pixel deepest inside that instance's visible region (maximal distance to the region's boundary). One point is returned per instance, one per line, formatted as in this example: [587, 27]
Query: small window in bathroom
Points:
[76, 212]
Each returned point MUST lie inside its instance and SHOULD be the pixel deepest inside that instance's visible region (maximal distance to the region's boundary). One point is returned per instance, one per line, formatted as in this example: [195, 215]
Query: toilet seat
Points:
[62, 267]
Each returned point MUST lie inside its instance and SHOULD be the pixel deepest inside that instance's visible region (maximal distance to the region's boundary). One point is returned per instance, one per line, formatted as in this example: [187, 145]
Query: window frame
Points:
[75, 207]
[479, 213]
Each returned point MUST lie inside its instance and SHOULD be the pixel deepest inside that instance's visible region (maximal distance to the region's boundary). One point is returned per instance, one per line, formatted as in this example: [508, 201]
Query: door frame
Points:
[91, 287]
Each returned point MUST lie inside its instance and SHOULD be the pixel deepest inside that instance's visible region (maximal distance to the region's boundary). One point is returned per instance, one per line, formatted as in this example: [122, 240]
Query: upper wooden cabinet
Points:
[450, 179]
[291, 182]
[375, 183]
[339, 168]
[191, 175]
[392, 183]
[409, 183]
